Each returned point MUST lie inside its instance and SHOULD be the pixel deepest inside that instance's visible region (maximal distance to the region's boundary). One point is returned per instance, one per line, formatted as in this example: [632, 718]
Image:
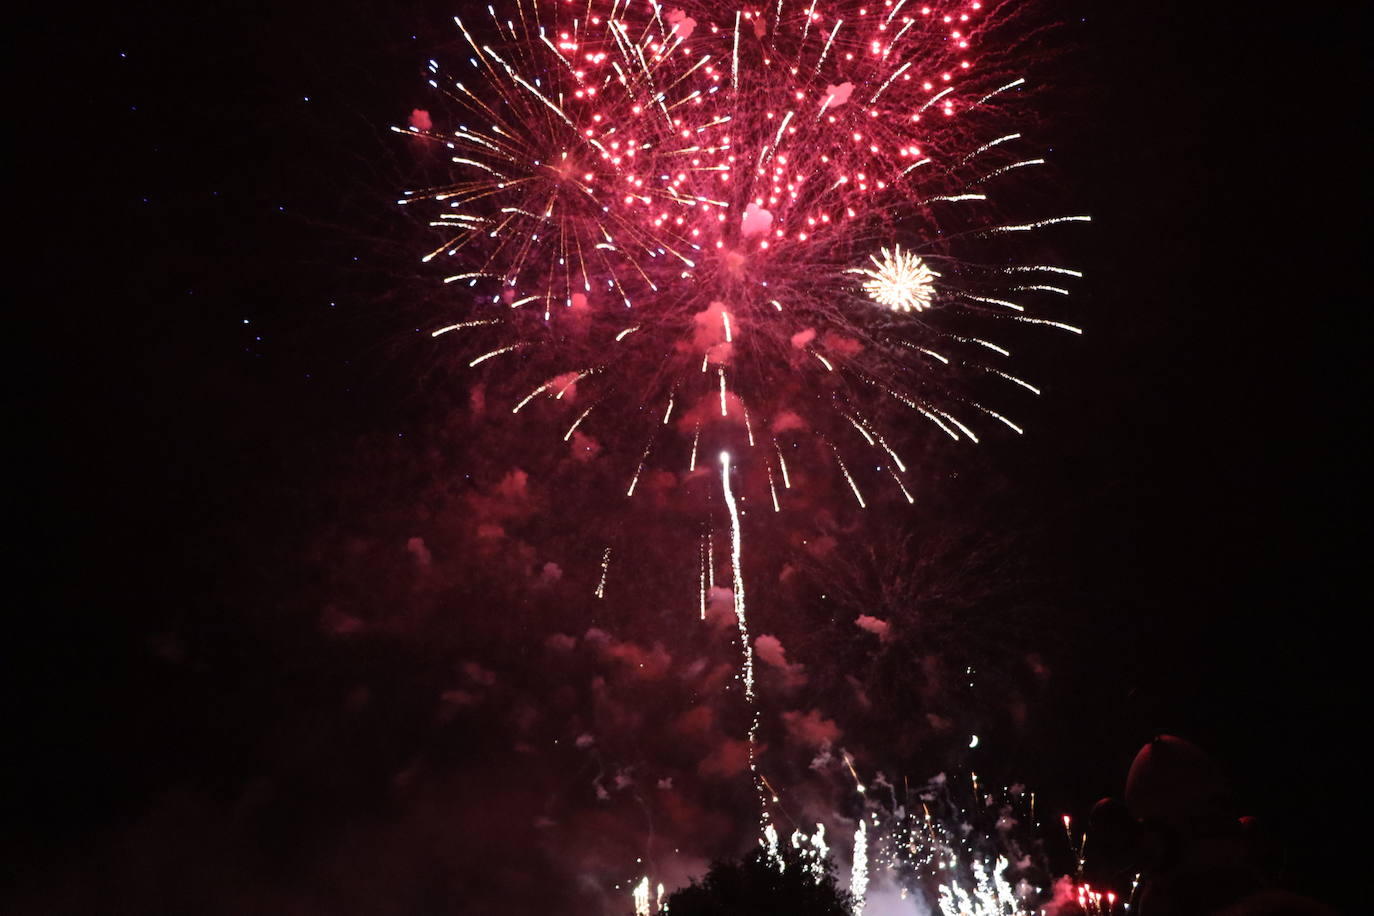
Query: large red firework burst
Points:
[768, 229]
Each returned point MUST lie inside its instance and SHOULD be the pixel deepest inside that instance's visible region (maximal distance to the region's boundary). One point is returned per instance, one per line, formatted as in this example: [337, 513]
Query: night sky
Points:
[261, 665]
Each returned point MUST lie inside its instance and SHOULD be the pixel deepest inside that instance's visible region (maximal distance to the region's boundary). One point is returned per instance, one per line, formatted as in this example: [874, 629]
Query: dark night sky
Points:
[217, 329]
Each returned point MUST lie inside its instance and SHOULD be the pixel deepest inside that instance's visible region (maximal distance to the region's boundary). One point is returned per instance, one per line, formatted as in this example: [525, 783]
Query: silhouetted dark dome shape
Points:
[1173, 781]
[1115, 836]
[1277, 903]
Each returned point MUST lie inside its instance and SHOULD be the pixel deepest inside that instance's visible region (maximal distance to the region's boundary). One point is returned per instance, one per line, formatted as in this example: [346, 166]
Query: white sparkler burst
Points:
[992, 895]
[901, 281]
[641, 895]
[858, 876]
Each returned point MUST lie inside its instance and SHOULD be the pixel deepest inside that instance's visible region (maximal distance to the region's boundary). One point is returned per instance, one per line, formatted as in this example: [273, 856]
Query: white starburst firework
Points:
[901, 280]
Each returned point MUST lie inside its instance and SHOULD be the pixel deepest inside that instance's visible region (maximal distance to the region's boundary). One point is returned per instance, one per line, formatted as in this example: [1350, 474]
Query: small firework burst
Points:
[900, 280]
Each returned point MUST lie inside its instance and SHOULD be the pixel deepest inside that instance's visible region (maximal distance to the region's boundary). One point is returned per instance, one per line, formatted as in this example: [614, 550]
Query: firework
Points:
[644, 904]
[858, 873]
[785, 234]
[991, 895]
[930, 846]
[763, 229]
[959, 857]
[901, 281]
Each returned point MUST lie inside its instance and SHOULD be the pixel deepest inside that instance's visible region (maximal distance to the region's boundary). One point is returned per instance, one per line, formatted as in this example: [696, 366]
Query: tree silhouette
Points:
[754, 886]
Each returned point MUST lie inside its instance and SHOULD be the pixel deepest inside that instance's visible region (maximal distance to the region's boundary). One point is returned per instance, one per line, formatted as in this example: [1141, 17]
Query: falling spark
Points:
[639, 469]
[850, 478]
[497, 352]
[462, 324]
[576, 423]
[858, 783]
[605, 568]
[701, 556]
[1040, 224]
[782, 465]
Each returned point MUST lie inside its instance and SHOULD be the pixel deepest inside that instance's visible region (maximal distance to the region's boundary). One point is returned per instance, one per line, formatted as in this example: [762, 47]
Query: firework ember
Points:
[672, 223]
